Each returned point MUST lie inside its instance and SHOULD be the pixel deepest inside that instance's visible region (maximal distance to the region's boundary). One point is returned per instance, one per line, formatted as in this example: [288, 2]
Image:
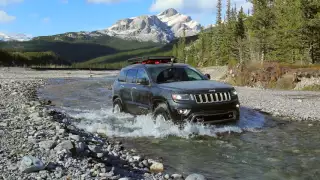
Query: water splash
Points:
[89, 102]
[105, 122]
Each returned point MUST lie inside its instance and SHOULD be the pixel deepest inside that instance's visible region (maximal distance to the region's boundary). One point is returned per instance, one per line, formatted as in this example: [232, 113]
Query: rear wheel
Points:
[161, 112]
[117, 106]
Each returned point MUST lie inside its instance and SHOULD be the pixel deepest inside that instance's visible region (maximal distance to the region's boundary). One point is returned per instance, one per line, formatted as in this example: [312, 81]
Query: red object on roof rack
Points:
[152, 60]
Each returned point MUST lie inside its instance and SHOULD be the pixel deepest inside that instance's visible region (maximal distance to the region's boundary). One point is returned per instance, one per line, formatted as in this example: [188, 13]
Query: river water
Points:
[257, 147]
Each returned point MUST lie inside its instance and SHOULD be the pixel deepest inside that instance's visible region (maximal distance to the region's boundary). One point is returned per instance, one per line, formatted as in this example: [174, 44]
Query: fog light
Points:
[238, 105]
[184, 111]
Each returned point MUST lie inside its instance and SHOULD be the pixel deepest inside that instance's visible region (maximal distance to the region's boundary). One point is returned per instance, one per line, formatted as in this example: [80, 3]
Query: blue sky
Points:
[46, 17]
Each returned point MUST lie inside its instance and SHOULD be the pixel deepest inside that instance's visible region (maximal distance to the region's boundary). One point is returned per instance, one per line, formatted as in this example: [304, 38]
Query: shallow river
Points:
[257, 147]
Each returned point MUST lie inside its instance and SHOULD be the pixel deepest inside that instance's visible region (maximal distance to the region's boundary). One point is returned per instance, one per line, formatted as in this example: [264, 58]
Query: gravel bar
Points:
[293, 105]
[39, 143]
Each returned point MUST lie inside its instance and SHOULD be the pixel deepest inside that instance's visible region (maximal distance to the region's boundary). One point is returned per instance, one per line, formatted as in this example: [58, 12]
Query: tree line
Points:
[286, 31]
[11, 58]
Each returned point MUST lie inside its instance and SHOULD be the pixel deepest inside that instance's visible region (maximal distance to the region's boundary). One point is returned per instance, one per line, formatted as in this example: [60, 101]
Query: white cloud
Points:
[190, 6]
[6, 18]
[102, 1]
[245, 5]
[7, 2]
[46, 20]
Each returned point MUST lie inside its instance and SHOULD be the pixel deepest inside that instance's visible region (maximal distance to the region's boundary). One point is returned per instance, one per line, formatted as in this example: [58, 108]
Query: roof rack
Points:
[152, 60]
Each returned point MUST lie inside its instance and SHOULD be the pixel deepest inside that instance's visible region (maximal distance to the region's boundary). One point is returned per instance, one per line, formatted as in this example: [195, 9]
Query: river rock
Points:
[74, 137]
[145, 163]
[66, 144]
[30, 164]
[156, 167]
[46, 145]
[195, 177]
[136, 158]
[3, 124]
[177, 176]
[94, 148]
[80, 146]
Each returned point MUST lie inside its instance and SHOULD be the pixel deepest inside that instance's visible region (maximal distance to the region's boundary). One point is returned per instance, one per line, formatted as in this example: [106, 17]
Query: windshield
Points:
[174, 74]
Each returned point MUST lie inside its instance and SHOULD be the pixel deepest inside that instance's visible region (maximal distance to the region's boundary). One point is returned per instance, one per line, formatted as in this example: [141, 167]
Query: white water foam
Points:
[103, 121]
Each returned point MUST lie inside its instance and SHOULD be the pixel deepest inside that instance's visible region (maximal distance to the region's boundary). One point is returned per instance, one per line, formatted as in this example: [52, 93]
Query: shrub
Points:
[315, 87]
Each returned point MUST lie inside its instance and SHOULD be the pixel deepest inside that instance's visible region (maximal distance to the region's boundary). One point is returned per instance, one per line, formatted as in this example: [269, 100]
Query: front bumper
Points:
[205, 113]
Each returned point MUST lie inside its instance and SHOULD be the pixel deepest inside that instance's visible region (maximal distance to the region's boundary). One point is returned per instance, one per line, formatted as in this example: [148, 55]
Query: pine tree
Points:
[262, 25]
[219, 10]
[240, 35]
[240, 27]
[228, 10]
[288, 38]
[181, 47]
[310, 29]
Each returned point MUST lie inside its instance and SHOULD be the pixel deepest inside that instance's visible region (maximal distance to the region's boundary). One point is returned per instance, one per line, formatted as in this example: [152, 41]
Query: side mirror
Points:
[208, 76]
[143, 81]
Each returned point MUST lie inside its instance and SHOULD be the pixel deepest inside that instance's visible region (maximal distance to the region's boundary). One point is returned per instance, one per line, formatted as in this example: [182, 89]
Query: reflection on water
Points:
[259, 147]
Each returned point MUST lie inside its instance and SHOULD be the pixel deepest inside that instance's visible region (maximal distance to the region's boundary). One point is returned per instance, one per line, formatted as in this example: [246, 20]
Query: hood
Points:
[195, 85]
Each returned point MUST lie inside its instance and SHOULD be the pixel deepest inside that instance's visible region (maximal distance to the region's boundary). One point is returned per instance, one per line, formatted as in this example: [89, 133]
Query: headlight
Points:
[181, 97]
[234, 92]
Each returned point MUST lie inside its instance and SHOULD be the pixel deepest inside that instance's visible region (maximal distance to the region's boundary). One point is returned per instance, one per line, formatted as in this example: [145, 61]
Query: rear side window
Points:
[142, 74]
[131, 76]
[122, 76]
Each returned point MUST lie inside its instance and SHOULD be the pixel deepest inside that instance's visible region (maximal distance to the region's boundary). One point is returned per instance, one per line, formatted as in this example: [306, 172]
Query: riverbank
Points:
[288, 104]
[37, 143]
[30, 133]
[293, 104]
[27, 73]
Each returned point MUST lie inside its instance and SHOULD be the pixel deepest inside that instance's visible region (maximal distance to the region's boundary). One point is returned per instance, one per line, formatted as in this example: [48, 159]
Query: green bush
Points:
[315, 87]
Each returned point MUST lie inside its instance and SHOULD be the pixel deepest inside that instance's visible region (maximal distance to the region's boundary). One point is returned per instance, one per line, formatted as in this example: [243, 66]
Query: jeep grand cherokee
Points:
[173, 91]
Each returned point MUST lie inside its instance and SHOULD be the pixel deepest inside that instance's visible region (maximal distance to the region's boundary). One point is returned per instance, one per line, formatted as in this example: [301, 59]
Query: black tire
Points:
[237, 116]
[161, 109]
[117, 102]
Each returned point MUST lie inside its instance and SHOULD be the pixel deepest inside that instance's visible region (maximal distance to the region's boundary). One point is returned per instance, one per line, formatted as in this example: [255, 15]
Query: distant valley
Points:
[131, 36]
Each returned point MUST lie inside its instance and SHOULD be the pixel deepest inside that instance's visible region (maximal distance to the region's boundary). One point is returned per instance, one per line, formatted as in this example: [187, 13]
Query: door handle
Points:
[122, 86]
[134, 88]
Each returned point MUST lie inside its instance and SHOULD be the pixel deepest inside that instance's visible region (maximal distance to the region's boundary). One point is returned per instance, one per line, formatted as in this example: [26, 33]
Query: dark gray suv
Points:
[173, 91]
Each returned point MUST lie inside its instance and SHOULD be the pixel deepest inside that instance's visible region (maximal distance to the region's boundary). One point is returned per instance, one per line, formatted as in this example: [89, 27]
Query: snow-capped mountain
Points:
[163, 27]
[179, 22]
[14, 37]
[142, 28]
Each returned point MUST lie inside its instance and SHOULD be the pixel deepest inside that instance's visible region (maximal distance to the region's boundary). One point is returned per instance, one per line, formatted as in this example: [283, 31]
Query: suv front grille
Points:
[212, 97]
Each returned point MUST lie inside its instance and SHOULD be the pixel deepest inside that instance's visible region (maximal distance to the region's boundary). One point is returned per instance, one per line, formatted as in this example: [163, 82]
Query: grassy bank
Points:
[274, 75]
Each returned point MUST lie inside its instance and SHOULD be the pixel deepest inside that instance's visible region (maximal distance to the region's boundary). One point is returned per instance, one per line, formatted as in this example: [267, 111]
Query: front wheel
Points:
[161, 112]
[117, 106]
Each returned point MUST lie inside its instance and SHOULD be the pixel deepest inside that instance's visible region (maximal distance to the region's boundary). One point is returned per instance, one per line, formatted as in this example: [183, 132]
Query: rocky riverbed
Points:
[293, 105]
[37, 143]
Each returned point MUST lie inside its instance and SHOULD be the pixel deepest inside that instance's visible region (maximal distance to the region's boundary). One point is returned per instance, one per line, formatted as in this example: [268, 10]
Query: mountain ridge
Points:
[161, 28]
[14, 37]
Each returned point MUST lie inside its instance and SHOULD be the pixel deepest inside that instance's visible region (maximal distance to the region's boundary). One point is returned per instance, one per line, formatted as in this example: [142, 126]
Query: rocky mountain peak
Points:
[163, 27]
[169, 12]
